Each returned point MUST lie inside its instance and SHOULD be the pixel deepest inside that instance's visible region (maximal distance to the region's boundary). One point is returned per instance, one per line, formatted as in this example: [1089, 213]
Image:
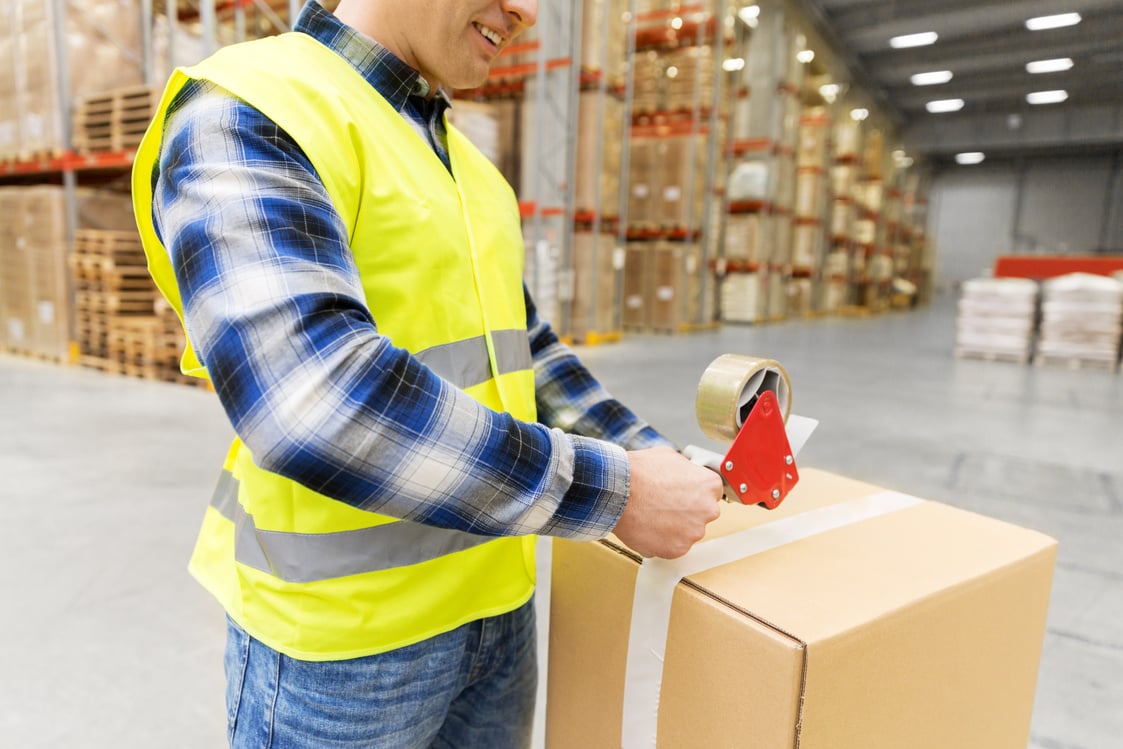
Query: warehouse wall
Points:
[1044, 205]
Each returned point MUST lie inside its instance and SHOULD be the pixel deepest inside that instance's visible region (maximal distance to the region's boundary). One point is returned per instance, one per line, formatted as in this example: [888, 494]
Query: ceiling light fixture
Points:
[1057, 65]
[829, 92]
[1047, 97]
[805, 55]
[970, 157]
[733, 64]
[859, 114]
[939, 106]
[914, 40]
[749, 14]
[1053, 22]
[934, 78]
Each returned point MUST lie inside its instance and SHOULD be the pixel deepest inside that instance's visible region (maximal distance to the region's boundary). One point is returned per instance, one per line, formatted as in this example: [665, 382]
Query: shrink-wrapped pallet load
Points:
[996, 319]
[1081, 320]
[741, 297]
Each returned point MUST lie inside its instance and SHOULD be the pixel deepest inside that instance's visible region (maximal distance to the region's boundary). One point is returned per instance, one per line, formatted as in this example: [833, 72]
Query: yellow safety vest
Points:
[441, 265]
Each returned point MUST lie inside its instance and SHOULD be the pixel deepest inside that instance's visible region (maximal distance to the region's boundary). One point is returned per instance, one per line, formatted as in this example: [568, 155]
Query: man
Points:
[348, 271]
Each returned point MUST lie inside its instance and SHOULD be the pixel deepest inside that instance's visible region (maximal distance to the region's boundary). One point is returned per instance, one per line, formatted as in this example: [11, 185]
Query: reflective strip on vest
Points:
[310, 557]
[465, 363]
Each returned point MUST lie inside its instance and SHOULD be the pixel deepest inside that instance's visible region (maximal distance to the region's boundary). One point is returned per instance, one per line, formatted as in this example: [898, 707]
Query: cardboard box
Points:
[805, 245]
[599, 129]
[919, 628]
[743, 235]
[834, 292]
[676, 282]
[636, 308]
[809, 194]
[594, 291]
[741, 297]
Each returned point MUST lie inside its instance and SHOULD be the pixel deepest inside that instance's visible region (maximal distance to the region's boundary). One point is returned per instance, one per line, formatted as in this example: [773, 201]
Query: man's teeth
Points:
[490, 35]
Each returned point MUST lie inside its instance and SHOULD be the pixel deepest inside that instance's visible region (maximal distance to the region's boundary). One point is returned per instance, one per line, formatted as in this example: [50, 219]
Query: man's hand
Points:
[670, 502]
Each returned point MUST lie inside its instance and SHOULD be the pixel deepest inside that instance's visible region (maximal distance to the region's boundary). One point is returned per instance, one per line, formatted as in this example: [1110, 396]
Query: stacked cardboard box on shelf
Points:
[744, 234]
[594, 308]
[847, 618]
[647, 82]
[102, 43]
[600, 126]
[493, 127]
[690, 81]
[35, 296]
[996, 319]
[542, 273]
[1081, 320]
[682, 183]
[14, 310]
[603, 31]
[663, 286]
[741, 297]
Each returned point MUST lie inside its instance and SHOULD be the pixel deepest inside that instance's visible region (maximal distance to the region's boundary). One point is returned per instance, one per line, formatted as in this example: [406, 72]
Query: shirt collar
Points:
[378, 66]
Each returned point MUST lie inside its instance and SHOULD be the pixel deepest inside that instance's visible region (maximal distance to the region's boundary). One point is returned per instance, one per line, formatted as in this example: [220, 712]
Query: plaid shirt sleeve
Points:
[571, 399]
[275, 309]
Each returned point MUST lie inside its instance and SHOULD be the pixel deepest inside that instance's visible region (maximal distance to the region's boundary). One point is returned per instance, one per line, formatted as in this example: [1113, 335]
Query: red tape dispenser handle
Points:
[759, 467]
[745, 401]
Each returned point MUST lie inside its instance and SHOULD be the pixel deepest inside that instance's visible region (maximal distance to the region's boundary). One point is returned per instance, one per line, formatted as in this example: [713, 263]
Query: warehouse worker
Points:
[348, 269]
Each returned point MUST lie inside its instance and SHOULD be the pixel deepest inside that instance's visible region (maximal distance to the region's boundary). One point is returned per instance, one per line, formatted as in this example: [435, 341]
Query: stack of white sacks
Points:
[1081, 318]
[997, 318]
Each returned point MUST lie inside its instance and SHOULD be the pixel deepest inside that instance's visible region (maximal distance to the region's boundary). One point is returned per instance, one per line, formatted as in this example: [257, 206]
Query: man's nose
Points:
[524, 12]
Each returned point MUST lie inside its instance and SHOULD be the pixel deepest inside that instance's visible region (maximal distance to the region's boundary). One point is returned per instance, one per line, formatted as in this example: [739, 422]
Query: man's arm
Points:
[670, 500]
[571, 399]
[275, 308]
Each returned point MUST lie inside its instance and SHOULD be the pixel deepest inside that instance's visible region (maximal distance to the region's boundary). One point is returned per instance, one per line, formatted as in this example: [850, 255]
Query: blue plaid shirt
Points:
[275, 309]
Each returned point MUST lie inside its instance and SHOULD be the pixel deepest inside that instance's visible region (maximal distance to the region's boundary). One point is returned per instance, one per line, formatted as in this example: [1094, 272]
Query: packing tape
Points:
[658, 578]
[544, 564]
[729, 387]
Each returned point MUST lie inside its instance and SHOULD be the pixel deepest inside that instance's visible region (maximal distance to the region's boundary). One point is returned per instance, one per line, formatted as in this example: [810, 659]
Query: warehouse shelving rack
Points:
[731, 115]
[765, 138]
[677, 112]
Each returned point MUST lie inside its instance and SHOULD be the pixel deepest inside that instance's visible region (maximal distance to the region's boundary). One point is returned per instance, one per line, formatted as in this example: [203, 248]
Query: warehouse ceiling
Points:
[986, 46]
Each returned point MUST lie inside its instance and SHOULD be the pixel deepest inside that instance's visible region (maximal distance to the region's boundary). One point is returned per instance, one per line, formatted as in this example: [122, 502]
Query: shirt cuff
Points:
[596, 496]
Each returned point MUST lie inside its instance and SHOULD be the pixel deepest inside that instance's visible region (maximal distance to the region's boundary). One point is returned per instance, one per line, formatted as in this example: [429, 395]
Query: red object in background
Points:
[759, 466]
[1049, 266]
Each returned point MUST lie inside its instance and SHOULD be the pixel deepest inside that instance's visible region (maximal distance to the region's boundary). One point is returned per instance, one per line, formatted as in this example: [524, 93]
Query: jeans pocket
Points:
[234, 661]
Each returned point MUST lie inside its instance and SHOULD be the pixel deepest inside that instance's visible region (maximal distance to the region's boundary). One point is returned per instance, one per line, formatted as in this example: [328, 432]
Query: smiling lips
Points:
[491, 36]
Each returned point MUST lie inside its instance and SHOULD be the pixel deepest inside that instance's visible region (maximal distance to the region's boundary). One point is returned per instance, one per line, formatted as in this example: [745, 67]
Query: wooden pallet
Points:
[100, 363]
[1075, 362]
[114, 120]
[119, 280]
[105, 248]
[110, 275]
[127, 98]
[116, 302]
[962, 352]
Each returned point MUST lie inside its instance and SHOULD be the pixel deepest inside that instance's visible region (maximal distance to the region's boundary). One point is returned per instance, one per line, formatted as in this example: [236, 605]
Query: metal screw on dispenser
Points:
[729, 465]
[775, 494]
[744, 488]
[789, 460]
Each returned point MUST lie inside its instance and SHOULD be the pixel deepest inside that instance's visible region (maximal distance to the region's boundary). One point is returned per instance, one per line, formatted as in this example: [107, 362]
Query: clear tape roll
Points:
[730, 386]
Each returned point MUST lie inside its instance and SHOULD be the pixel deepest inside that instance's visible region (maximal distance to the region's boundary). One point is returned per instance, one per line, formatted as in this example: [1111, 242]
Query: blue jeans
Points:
[471, 687]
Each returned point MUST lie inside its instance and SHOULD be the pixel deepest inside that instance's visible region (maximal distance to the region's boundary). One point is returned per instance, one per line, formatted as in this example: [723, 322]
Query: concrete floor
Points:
[106, 641]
